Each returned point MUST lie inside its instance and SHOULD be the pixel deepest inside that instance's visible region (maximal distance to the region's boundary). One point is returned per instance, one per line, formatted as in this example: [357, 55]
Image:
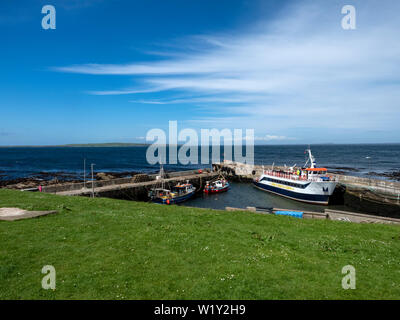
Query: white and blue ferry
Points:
[307, 184]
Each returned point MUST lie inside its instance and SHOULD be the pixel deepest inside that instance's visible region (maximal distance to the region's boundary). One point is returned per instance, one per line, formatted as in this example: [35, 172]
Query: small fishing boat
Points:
[217, 186]
[179, 193]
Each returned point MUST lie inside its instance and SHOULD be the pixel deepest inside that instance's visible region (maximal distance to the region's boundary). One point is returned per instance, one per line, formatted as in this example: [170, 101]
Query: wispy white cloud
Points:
[124, 91]
[192, 100]
[301, 69]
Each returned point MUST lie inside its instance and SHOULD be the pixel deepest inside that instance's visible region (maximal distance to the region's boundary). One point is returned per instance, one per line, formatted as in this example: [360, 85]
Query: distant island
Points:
[110, 144]
[127, 144]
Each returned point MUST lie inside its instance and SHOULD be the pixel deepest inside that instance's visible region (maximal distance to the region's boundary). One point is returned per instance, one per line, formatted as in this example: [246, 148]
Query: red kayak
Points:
[216, 186]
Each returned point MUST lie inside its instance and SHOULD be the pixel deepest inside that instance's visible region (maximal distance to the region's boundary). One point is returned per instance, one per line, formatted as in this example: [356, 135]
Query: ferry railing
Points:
[295, 177]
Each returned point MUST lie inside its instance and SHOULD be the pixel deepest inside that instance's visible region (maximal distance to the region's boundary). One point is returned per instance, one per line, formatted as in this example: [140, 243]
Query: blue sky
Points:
[112, 70]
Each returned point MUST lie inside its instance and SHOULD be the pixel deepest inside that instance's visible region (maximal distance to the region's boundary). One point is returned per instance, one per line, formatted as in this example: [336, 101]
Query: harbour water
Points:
[242, 195]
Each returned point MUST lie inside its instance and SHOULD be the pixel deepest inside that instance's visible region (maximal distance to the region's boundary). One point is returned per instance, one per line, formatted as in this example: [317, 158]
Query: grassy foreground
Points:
[111, 249]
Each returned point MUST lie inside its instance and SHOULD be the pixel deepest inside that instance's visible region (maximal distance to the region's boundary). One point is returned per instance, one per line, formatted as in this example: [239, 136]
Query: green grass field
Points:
[111, 249]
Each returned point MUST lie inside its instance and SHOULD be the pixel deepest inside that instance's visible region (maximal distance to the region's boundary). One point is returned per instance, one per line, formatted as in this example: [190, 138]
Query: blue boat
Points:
[179, 193]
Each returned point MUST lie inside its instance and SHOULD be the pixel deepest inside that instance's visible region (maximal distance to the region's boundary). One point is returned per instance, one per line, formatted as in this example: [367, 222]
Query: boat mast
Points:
[310, 158]
[162, 175]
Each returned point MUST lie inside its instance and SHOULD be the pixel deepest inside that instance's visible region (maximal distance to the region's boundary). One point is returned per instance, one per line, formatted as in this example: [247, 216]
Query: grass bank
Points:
[112, 249]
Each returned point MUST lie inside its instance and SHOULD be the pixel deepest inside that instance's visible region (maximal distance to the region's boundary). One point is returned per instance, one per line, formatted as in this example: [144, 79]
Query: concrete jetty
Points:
[329, 214]
[134, 188]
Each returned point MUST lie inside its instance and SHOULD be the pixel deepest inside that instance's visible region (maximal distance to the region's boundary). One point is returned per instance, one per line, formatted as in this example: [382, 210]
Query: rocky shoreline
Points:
[52, 178]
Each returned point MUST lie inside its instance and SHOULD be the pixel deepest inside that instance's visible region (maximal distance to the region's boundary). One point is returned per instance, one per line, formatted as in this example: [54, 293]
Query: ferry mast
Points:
[310, 159]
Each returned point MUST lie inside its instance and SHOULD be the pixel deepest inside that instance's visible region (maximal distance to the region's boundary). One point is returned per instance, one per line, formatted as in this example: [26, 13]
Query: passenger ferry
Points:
[312, 184]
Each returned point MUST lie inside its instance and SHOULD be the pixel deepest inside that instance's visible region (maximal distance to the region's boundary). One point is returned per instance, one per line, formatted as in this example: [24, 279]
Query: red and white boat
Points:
[217, 186]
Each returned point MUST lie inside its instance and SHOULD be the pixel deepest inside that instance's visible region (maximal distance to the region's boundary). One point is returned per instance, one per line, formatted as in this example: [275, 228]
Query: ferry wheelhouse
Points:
[307, 184]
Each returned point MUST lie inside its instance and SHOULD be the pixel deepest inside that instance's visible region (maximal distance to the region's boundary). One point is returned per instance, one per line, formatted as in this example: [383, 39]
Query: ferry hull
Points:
[216, 190]
[303, 197]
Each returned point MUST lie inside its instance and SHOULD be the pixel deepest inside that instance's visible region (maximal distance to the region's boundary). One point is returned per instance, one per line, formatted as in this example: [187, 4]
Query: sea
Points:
[365, 160]
[358, 160]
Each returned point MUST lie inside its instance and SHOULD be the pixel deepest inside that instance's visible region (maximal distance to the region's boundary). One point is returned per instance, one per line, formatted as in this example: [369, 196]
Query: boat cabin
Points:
[320, 173]
[160, 193]
[182, 188]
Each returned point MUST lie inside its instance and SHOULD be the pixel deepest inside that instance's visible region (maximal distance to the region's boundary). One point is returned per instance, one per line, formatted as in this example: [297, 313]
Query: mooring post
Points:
[84, 173]
[92, 179]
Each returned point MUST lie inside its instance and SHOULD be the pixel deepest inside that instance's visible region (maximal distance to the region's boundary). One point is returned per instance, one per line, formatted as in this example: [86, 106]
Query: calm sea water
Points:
[352, 159]
[242, 195]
